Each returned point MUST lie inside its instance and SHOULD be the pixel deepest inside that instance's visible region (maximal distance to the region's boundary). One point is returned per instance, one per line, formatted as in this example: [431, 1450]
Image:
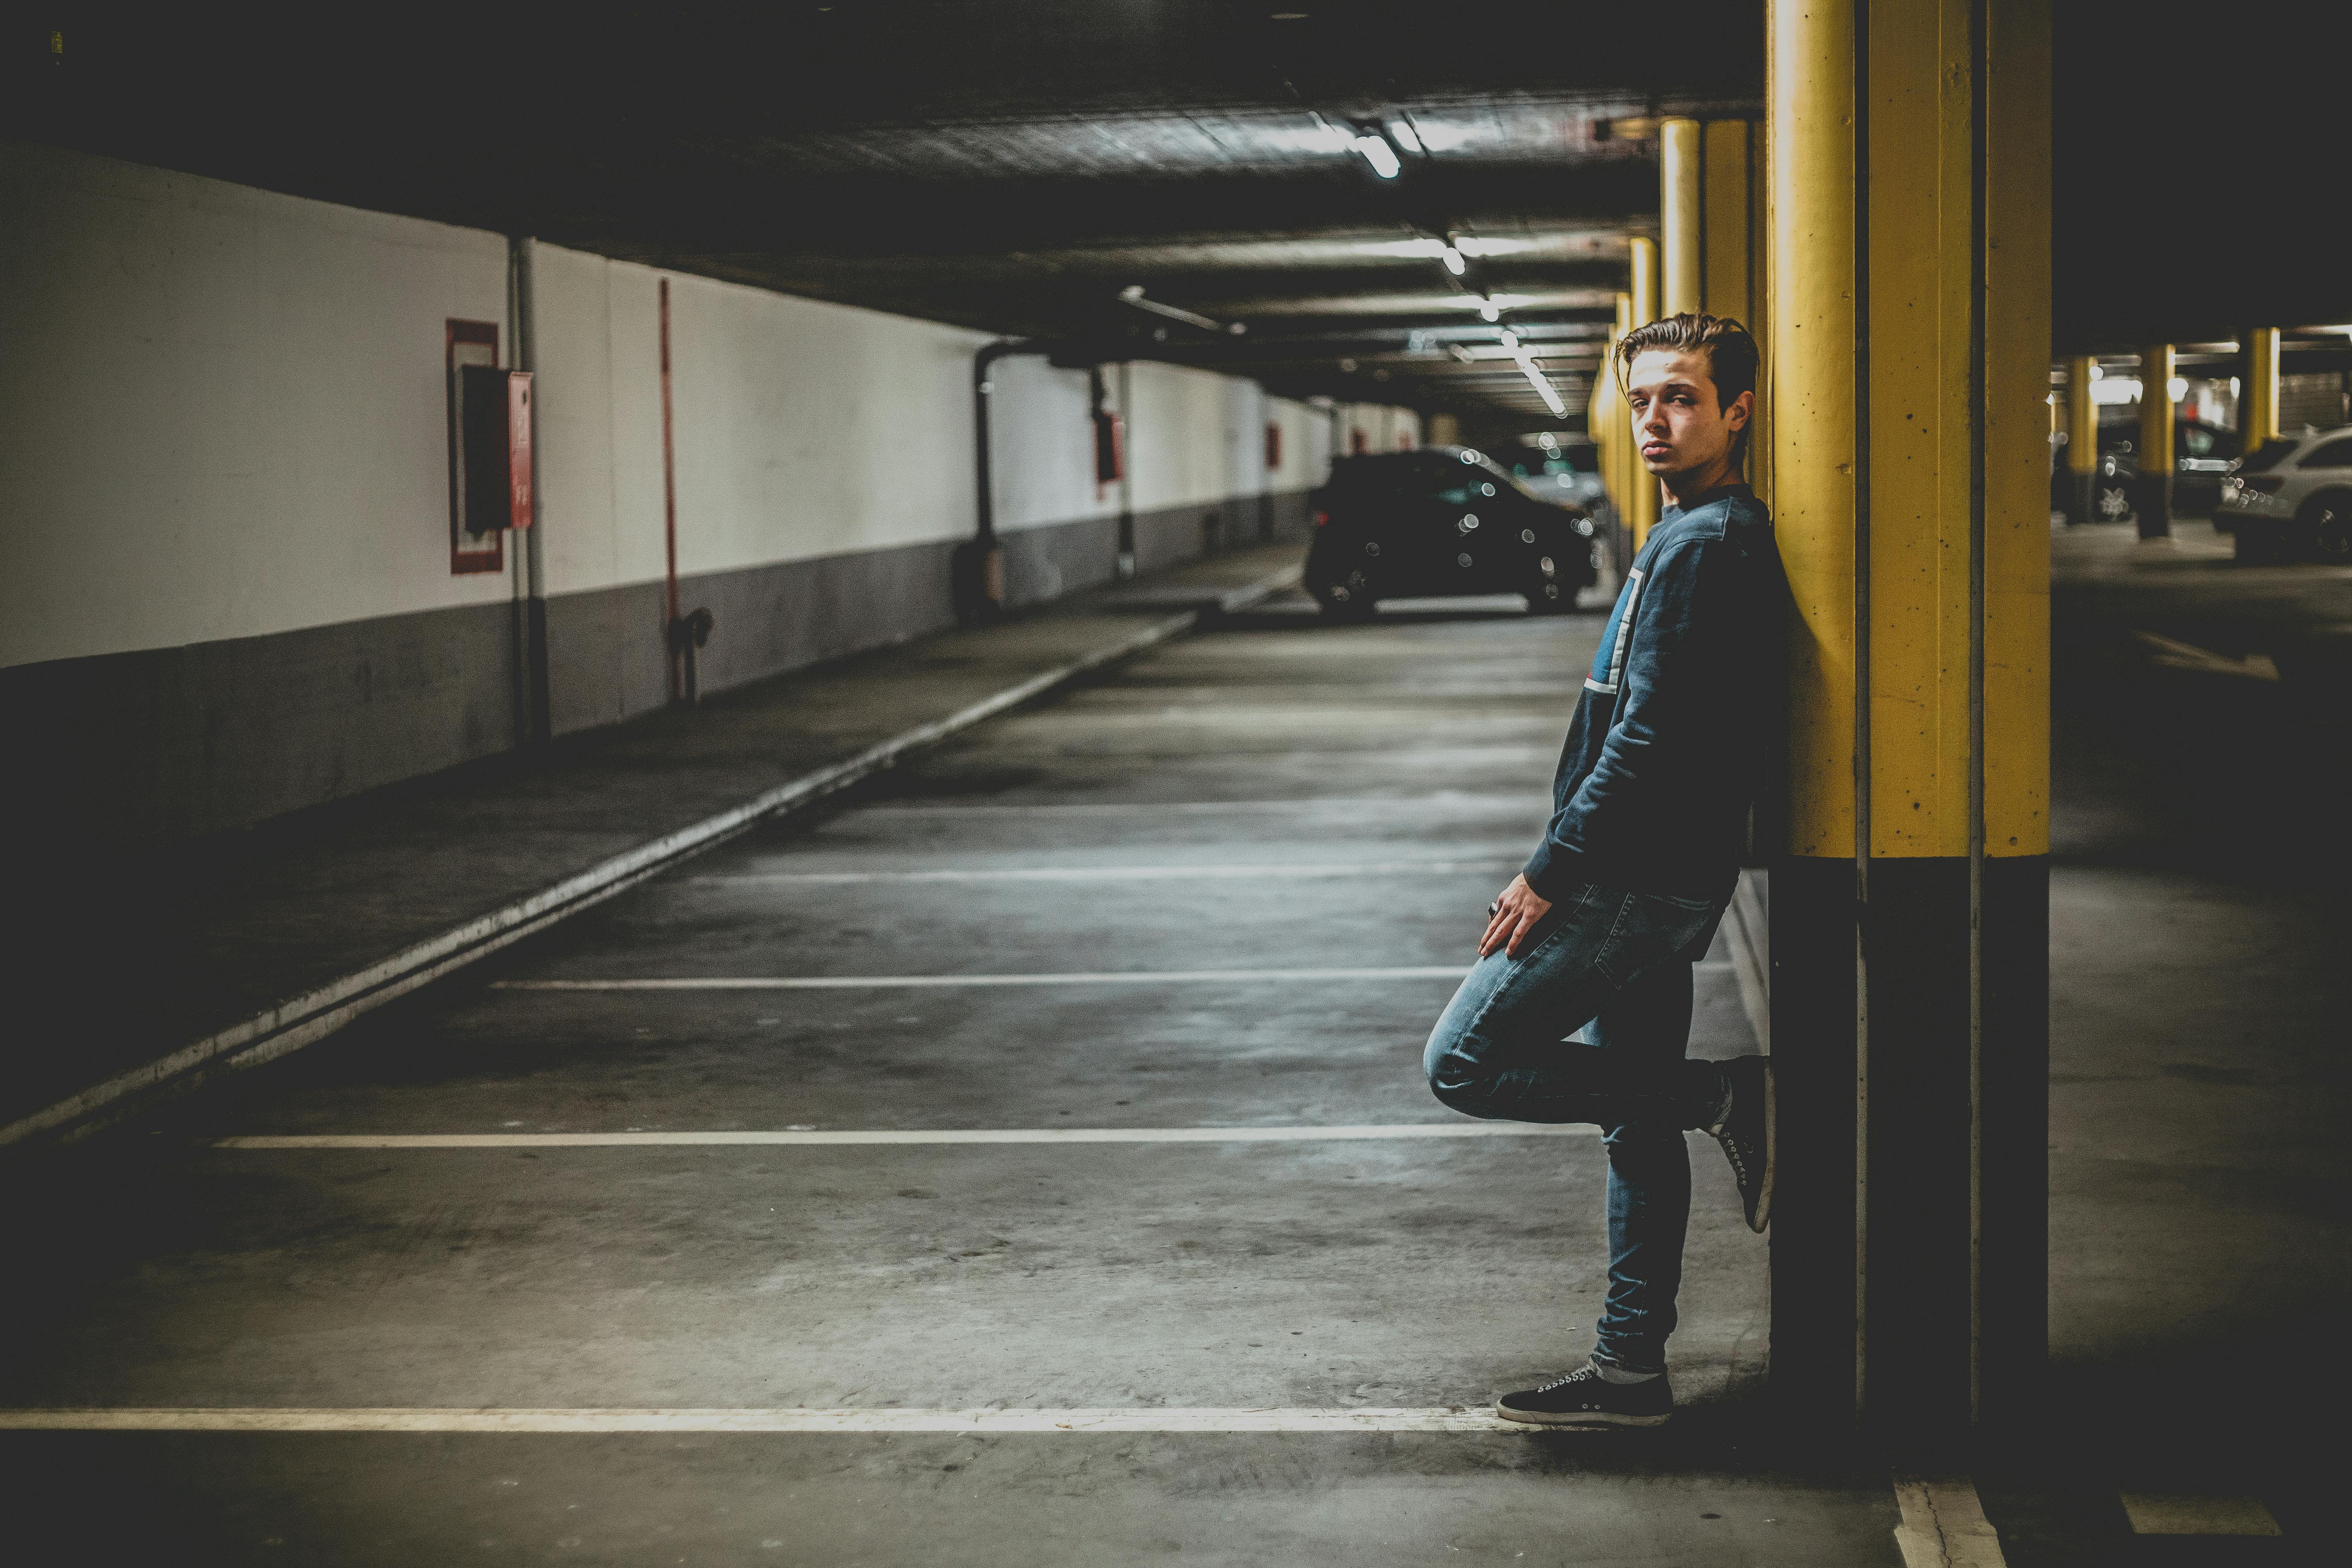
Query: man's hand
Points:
[1515, 915]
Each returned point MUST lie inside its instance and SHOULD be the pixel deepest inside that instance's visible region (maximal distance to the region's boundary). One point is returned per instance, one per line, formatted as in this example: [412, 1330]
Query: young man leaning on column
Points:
[1599, 932]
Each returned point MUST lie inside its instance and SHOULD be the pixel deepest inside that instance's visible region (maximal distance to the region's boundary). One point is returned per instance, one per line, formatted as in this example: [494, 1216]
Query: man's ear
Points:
[1742, 409]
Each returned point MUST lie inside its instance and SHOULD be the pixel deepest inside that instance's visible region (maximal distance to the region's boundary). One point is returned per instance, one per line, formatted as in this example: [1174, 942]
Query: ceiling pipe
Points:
[1133, 295]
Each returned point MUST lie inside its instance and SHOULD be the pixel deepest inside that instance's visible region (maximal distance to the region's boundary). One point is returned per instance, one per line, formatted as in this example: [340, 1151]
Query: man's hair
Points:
[1730, 352]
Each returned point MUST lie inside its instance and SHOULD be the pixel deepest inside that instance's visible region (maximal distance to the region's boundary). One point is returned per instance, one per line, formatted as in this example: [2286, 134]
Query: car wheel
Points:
[1347, 598]
[2327, 524]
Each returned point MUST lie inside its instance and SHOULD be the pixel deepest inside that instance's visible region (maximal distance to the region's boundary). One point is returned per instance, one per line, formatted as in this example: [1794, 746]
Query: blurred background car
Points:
[2293, 499]
[2203, 454]
[1441, 522]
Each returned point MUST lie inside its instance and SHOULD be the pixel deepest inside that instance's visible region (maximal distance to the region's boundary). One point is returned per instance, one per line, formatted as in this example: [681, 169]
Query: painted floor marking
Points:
[902, 982]
[801, 1137]
[1437, 1418]
[1495, 866]
[1943, 1524]
[1108, 978]
[2186, 1513]
[1531, 802]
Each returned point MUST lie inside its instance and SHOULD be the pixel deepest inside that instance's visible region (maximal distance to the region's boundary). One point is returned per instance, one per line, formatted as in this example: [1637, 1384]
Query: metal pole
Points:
[1127, 472]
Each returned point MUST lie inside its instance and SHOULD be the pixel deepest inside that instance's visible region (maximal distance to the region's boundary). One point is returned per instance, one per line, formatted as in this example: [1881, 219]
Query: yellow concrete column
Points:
[2154, 502]
[1727, 247]
[1908, 342]
[1727, 193]
[2258, 398]
[2081, 440]
[1642, 301]
[1681, 245]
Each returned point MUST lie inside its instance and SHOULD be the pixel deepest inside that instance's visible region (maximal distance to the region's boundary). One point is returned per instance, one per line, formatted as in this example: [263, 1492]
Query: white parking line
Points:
[1530, 802]
[1105, 977]
[867, 982]
[1433, 1418]
[1943, 1524]
[790, 1137]
[1495, 866]
[2183, 1513]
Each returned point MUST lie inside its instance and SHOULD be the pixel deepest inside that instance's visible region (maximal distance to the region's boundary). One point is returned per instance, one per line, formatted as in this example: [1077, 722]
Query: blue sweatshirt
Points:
[1672, 731]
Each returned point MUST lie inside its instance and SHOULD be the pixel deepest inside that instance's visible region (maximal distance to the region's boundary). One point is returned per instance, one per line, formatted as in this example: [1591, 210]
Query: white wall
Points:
[1041, 446]
[1306, 445]
[222, 412]
[801, 428]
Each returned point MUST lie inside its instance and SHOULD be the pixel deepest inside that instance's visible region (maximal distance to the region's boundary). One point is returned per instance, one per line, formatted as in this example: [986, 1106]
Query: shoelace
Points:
[1584, 1374]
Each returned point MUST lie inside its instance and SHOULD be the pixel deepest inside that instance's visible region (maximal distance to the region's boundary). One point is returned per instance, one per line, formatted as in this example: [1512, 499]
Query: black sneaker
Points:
[1585, 1398]
[1747, 1135]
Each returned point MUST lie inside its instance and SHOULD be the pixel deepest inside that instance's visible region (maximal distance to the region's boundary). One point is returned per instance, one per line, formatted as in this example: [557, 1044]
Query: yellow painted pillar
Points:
[1908, 339]
[1681, 249]
[2154, 501]
[1727, 190]
[1631, 476]
[1730, 273]
[2082, 441]
[1641, 303]
[2258, 399]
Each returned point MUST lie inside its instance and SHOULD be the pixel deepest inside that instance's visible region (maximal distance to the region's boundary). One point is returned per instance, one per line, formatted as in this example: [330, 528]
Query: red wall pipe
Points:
[669, 508]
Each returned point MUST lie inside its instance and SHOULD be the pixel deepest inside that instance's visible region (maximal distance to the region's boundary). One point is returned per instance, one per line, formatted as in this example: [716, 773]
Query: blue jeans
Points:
[1616, 965]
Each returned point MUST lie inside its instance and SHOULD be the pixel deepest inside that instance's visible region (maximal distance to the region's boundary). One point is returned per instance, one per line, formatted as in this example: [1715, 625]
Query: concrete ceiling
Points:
[1015, 166]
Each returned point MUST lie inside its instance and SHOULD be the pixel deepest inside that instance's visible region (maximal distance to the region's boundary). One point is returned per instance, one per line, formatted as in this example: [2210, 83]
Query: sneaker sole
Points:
[1581, 1418]
[1772, 1151]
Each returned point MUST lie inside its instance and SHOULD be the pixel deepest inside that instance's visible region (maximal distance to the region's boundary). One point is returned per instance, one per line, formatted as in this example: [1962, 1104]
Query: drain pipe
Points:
[977, 570]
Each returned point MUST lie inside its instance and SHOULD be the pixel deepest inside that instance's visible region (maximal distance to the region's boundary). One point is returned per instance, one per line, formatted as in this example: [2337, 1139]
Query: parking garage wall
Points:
[227, 591]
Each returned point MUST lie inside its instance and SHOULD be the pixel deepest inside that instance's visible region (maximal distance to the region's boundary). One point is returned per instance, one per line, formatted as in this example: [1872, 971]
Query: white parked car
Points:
[2292, 498]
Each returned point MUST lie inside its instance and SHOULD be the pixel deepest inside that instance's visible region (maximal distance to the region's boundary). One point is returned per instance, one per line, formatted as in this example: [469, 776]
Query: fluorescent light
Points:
[1453, 259]
[1402, 132]
[1434, 250]
[1488, 311]
[1376, 151]
[2177, 388]
[1510, 339]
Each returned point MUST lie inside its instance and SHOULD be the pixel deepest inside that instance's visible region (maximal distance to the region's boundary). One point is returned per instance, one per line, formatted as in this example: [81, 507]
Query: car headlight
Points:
[1584, 526]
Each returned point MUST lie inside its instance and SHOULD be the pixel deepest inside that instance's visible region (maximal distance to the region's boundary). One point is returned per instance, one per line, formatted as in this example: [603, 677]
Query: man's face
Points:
[1679, 425]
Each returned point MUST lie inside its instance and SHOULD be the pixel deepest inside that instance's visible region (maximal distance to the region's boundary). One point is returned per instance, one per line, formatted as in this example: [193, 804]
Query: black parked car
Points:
[1441, 522]
[2201, 454]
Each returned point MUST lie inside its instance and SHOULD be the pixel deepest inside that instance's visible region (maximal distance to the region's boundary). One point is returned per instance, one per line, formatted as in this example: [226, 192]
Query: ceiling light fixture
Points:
[1526, 359]
[1402, 132]
[1452, 256]
[1374, 149]
[1489, 312]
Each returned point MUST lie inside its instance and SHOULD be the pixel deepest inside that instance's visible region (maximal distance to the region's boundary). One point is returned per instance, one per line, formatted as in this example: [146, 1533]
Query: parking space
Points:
[1223, 892]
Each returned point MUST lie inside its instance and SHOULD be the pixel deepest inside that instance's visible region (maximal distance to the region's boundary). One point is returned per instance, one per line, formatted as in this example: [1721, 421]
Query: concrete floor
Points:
[2200, 1216]
[1383, 1272]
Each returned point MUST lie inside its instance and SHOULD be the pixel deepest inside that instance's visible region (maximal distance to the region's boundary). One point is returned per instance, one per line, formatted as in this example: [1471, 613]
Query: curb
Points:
[301, 1020]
